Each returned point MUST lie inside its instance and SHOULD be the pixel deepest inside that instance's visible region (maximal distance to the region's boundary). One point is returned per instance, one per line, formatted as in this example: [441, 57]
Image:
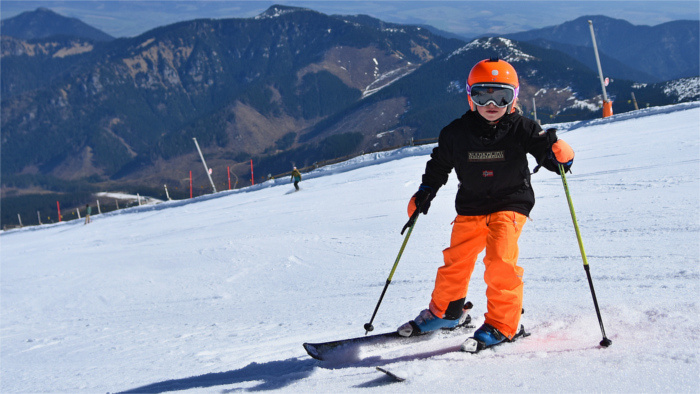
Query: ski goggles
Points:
[500, 95]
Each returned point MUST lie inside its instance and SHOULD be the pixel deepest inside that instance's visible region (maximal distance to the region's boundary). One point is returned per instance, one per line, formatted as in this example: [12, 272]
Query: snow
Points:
[583, 104]
[507, 49]
[276, 12]
[130, 197]
[218, 293]
[456, 86]
[684, 88]
[383, 80]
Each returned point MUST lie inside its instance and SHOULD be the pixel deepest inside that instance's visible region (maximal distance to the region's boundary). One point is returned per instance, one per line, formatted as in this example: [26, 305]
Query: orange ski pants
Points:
[498, 233]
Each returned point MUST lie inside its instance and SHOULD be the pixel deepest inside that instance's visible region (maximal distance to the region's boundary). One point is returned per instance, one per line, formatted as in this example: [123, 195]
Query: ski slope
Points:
[217, 294]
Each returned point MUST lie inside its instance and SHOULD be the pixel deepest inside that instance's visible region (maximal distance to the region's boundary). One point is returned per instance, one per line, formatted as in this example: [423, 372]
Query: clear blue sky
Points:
[126, 18]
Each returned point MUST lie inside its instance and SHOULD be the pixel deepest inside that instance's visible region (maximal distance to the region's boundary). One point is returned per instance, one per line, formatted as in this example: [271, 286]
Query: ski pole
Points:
[605, 342]
[411, 222]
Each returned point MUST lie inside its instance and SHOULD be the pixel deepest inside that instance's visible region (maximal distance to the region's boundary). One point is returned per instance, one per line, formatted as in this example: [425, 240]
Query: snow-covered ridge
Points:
[277, 11]
[506, 49]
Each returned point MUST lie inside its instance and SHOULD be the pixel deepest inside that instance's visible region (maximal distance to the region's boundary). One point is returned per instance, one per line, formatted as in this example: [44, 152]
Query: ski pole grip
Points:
[411, 220]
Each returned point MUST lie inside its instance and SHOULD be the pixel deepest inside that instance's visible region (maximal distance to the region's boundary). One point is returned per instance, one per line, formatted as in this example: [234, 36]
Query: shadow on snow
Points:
[276, 375]
[273, 375]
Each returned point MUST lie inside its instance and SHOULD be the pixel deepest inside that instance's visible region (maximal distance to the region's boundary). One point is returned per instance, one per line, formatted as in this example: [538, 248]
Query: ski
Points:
[469, 343]
[472, 345]
[391, 374]
[324, 350]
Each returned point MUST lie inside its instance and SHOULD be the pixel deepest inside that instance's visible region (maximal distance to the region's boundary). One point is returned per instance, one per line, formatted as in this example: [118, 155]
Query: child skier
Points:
[487, 148]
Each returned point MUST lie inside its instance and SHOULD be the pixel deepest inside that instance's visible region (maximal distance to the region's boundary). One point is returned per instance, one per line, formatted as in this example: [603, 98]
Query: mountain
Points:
[291, 86]
[38, 47]
[667, 51]
[612, 67]
[43, 23]
[129, 109]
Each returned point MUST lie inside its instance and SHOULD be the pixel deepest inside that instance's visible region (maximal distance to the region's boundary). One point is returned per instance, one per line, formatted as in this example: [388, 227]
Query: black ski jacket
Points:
[490, 162]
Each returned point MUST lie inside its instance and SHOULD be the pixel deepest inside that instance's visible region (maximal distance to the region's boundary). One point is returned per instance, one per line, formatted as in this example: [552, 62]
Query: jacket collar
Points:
[488, 133]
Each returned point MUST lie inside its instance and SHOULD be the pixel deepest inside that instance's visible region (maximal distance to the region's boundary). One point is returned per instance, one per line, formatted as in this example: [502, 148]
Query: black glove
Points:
[423, 197]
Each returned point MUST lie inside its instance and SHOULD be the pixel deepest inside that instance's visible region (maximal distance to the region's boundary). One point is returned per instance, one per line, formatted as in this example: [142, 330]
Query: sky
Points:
[218, 293]
[469, 19]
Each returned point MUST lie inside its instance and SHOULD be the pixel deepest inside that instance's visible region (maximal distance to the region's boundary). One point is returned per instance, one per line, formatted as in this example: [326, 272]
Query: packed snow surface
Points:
[217, 294]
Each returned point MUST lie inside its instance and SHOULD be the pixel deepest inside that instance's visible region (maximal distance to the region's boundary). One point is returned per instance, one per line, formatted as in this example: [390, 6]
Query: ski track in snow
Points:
[217, 294]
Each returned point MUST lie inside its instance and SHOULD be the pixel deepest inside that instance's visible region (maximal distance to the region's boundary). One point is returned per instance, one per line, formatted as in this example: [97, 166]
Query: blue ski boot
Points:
[426, 322]
[486, 336]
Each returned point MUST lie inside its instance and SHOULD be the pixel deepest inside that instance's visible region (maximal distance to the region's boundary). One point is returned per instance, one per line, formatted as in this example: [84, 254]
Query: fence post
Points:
[634, 100]
[20, 220]
[99, 210]
[38, 215]
[77, 211]
[534, 110]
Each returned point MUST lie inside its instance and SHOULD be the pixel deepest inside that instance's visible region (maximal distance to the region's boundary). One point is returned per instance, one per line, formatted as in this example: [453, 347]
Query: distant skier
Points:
[296, 177]
[487, 147]
[88, 212]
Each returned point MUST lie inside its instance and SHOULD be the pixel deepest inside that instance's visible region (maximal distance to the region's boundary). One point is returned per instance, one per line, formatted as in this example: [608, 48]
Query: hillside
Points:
[33, 65]
[217, 294]
[612, 67]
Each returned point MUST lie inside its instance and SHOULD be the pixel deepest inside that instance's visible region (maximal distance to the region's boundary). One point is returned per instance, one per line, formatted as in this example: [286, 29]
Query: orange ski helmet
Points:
[493, 71]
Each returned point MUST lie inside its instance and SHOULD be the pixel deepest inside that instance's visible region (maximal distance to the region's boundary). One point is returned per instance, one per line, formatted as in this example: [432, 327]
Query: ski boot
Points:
[488, 336]
[426, 322]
